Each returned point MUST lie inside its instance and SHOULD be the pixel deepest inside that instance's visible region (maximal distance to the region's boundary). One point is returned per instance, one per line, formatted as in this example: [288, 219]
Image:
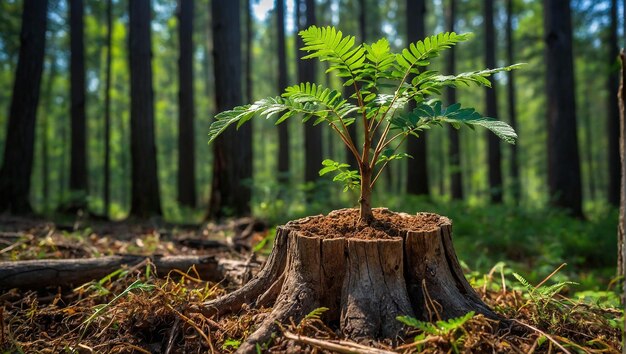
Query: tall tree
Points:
[19, 144]
[563, 157]
[456, 182]
[186, 145]
[78, 151]
[621, 227]
[283, 129]
[417, 172]
[145, 199]
[514, 163]
[107, 112]
[249, 44]
[307, 73]
[493, 142]
[613, 118]
[232, 155]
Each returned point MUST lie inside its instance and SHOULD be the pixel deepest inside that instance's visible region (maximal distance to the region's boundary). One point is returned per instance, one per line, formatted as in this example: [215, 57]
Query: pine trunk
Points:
[613, 112]
[417, 172]
[283, 129]
[186, 141]
[456, 183]
[19, 144]
[494, 157]
[107, 112]
[232, 151]
[78, 160]
[145, 200]
[563, 158]
[514, 163]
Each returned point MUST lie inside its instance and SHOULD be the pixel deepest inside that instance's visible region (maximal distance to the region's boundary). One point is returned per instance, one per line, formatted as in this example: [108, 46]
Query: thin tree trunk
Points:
[307, 73]
[417, 172]
[563, 157]
[107, 112]
[145, 200]
[456, 183]
[613, 113]
[249, 24]
[621, 244]
[45, 164]
[232, 152]
[19, 144]
[186, 141]
[493, 142]
[283, 129]
[78, 160]
[514, 163]
[587, 135]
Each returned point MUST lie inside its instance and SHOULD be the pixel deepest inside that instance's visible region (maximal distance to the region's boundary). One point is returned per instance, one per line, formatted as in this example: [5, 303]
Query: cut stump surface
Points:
[366, 275]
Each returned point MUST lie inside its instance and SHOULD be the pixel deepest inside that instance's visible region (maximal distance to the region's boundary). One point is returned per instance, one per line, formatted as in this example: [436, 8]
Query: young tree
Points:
[232, 154]
[417, 172]
[613, 112]
[306, 272]
[563, 158]
[514, 163]
[107, 112]
[456, 183]
[186, 145]
[493, 143]
[78, 160]
[145, 199]
[19, 144]
[283, 129]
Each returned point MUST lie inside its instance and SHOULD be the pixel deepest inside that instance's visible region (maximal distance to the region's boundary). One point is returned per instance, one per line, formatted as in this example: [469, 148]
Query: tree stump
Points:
[366, 275]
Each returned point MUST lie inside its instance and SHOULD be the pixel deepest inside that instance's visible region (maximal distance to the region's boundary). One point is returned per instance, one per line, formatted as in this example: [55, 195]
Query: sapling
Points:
[384, 83]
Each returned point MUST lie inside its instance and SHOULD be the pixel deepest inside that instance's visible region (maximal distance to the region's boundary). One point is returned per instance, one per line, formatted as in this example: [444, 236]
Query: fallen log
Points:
[37, 274]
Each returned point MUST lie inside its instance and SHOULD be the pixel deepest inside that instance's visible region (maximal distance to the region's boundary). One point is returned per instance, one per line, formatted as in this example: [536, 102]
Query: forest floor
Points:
[133, 310]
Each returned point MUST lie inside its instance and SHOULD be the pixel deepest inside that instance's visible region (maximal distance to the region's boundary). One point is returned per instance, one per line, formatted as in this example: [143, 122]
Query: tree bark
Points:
[514, 163]
[417, 171]
[456, 183]
[186, 140]
[563, 157]
[38, 274]
[145, 200]
[494, 157]
[107, 112]
[232, 152]
[283, 129]
[19, 144]
[364, 283]
[45, 137]
[78, 160]
[307, 72]
[613, 112]
[621, 229]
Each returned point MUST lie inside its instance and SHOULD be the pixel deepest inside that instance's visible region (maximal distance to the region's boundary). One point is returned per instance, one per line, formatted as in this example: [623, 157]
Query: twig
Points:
[172, 336]
[544, 334]
[340, 346]
[551, 275]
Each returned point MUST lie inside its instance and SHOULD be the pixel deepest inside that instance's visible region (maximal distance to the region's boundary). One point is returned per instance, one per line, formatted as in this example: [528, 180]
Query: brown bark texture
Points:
[19, 145]
[456, 176]
[613, 111]
[283, 129]
[512, 104]
[417, 169]
[564, 183]
[78, 161]
[107, 111]
[494, 154]
[307, 72]
[186, 145]
[365, 283]
[145, 199]
[232, 151]
[621, 241]
[37, 274]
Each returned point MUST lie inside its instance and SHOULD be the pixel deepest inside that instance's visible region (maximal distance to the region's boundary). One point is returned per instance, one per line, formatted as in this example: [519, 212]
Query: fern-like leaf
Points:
[328, 44]
[420, 52]
[327, 99]
[478, 78]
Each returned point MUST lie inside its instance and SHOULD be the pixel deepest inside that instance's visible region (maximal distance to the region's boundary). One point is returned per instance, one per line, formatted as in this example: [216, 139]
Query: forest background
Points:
[509, 191]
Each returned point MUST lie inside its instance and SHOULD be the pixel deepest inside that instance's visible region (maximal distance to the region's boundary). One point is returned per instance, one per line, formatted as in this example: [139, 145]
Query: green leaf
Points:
[328, 44]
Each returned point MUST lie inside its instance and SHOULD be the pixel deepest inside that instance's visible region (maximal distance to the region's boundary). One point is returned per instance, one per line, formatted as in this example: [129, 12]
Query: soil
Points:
[345, 223]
